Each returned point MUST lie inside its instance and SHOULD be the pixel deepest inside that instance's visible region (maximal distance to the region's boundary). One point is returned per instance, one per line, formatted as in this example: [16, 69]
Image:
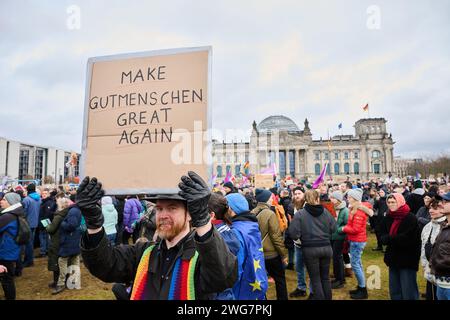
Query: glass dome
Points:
[280, 123]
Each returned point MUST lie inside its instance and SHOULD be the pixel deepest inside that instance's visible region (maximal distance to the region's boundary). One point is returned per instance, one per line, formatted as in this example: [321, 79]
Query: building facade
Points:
[401, 165]
[21, 161]
[278, 140]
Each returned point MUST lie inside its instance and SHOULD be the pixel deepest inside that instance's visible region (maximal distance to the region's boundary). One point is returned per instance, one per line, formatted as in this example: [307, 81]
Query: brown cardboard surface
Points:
[264, 181]
[109, 154]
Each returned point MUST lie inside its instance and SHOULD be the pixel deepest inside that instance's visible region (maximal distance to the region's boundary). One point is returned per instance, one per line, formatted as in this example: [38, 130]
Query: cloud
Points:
[315, 60]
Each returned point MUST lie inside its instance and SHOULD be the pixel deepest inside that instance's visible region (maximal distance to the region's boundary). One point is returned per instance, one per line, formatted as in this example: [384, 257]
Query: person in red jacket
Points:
[357, 237]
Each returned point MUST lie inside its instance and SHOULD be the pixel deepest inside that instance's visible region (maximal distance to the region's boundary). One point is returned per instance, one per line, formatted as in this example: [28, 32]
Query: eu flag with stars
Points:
[252, 283]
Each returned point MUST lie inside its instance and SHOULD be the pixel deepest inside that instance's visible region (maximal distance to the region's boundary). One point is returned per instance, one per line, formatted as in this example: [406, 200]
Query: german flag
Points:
[366, 107]
[246, 165]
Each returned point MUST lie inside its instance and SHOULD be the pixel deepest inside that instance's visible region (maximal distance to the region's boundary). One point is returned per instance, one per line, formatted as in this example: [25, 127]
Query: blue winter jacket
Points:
[70, 233]
[9, 249]
[32, 207]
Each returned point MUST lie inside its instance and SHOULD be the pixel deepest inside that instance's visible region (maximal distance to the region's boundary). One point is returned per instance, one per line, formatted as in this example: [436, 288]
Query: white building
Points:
[22, 161]
[401, 165]
[277, 139]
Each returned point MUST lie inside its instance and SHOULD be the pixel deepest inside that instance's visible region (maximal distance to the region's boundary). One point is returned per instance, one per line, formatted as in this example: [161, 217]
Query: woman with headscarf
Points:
[400, 233]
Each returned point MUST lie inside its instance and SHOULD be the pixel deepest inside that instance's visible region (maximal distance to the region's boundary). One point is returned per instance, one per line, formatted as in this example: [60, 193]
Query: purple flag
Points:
[227, 177]
[270, 170]
[320, 178]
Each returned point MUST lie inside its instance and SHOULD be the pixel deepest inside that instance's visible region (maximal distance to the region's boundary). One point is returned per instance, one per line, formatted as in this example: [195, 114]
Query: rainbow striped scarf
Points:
[182, 285]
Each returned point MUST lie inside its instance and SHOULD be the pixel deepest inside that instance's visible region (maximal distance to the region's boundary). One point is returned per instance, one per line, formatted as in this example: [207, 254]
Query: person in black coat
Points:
[288, 206]
[48, 209]
[400, 233]
[380, 208]
[415, 199]
[157, 270]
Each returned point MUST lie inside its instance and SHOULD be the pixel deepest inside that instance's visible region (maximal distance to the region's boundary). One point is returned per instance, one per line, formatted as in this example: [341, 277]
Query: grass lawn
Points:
[371, 260]
[32, 285]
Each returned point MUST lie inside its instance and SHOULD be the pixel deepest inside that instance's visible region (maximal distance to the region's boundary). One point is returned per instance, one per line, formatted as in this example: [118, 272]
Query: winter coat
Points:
[48, 209]
[403, 249]
[430, 231]
[341, 222]
[313, 226]
[271, 236]
[110, 216]
[423, 217]
[131, 211]
[288, 207]
[380, 207]
[440, 258]
[289, 211]
[216, 268]
[32, 207]
[53, 230]
[70, 233]
[9, 249]
[356, 228]
[147, 225]
[414, 202]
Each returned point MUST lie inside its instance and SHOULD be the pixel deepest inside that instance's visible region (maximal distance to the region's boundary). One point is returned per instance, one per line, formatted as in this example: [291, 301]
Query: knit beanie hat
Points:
[418, 184]
[12, 198]
[106, 200]
[237, 203]
[229, 185]
[262, 195]
[355, 194]
[399, 198]
[338, 196]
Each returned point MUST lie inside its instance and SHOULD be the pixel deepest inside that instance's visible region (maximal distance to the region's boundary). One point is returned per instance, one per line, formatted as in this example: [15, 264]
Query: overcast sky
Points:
[321, 60]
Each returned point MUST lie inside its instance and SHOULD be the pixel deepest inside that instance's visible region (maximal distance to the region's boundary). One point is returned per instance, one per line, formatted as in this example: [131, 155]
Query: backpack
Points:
[23, 230]
[282, 221]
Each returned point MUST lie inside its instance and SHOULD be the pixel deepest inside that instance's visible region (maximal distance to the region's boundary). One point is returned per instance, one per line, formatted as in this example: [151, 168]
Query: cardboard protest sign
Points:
[147, 119]
[264, 181]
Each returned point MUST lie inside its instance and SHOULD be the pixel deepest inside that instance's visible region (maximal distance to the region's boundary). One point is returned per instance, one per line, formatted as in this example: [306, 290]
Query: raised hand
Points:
[88, 196]
[196, 192]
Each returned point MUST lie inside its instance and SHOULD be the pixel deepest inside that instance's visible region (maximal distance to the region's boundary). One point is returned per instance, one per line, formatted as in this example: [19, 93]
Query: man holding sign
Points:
[186, 264]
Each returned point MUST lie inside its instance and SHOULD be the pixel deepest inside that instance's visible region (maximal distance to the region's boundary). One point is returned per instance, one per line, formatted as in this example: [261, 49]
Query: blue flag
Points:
[252, 280]
[340, 126]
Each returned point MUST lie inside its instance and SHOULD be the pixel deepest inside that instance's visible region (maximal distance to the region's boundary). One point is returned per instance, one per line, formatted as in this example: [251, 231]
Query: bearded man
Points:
[185, 264]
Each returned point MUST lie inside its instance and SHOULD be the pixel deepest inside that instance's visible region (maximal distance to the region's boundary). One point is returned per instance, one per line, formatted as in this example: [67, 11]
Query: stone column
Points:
[286, 152]
[297, 162]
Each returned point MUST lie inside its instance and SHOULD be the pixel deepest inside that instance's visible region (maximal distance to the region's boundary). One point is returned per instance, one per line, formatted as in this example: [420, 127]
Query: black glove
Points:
[89, 194]
[196, 192]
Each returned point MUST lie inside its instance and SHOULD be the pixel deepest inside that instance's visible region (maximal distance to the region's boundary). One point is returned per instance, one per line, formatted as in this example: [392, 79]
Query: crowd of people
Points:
[228, 242]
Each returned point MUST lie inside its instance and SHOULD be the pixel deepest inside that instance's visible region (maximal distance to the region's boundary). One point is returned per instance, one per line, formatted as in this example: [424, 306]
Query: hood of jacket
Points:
[419, 191]
[341, 206]
[314, 210]
[35, 196]
[245, 216]
[366, 208]
[108, 207]
[260, 207]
